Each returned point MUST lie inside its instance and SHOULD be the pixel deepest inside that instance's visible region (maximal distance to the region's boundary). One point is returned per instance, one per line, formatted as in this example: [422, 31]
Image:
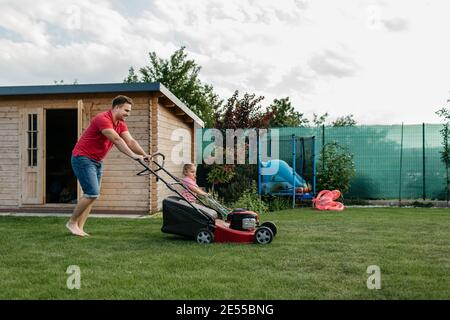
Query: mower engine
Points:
[242, 219]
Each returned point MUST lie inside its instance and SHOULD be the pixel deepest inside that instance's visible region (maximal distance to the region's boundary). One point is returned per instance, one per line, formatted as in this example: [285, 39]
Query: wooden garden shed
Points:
[39, 126]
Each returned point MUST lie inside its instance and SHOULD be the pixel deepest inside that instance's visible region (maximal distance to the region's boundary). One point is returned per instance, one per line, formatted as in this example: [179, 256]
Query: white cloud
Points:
[382, 61]
[396, 24]
[330, 63]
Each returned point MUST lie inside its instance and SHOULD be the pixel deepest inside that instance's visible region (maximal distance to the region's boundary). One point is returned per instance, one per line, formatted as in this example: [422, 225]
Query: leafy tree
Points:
[445, 133]
[132, 76]
[181, 76]
[283, 114]
[241, 113]
[338, 168]
[319, 120]
[61, 82]
[345, 121]
[238, 113]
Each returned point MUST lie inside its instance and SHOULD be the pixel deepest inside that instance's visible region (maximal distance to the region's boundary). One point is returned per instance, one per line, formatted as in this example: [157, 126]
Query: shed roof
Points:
[99, 88]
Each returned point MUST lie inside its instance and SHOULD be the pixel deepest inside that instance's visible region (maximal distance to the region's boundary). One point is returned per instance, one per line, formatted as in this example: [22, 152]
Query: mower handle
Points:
[151, 158]
[146, 166]
[159, 154]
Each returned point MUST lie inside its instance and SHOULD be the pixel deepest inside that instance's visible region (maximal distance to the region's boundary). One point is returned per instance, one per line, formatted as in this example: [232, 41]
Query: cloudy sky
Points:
[386, 62]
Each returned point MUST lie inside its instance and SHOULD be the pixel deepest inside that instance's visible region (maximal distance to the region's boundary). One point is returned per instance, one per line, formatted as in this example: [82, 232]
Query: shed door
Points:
[82, 122]
[83, 117]
[32, 160]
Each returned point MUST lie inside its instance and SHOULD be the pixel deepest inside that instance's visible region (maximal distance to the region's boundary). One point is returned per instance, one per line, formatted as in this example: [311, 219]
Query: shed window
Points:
[32, 140]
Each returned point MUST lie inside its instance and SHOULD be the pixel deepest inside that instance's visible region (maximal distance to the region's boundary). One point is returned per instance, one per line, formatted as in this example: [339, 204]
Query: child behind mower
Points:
[189, 181]
[185, 218]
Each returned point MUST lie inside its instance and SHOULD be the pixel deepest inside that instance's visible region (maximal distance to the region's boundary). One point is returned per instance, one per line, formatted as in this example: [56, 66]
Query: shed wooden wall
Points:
[150, 123]
[122, 190]
[167, 123]
[9, 154]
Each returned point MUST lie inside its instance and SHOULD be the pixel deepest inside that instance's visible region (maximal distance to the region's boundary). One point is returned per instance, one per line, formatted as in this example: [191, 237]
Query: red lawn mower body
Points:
[205, 224]
[224, 233]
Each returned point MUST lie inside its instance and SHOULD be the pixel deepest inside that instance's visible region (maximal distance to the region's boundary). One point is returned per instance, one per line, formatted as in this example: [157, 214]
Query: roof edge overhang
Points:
[99, 88]
[181, 105]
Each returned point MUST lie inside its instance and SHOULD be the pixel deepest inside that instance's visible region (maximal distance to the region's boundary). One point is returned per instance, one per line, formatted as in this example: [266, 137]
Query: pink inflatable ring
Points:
[325, 200]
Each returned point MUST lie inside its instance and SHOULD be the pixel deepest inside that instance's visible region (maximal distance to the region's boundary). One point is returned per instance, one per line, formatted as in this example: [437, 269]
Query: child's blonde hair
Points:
[187, 167]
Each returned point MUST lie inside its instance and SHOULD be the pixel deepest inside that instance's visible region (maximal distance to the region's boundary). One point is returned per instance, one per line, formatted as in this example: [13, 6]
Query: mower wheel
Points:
[271, 226]
[263, 235]
[204, 236]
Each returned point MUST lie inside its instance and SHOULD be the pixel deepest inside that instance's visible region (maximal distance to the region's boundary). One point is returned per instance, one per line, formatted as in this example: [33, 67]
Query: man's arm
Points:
[133, 144]
[120, 143]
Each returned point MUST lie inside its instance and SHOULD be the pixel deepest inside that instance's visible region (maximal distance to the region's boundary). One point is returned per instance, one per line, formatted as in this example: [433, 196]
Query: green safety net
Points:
[392, 161]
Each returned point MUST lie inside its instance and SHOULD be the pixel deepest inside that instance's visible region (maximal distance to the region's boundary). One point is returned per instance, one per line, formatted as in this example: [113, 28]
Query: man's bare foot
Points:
[82, 231]
[73, 228]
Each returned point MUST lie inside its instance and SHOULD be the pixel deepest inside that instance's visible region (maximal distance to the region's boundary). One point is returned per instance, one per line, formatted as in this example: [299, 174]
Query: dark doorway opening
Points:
[61, 137]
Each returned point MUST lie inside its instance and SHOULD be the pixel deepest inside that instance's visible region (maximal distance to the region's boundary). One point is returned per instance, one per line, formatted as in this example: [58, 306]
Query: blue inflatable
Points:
[282, 180]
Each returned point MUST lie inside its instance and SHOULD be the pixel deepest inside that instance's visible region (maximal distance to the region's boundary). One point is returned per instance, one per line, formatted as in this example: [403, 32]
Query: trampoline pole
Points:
[293, 170]
[258, 163]
[323, 147]
[314, 165]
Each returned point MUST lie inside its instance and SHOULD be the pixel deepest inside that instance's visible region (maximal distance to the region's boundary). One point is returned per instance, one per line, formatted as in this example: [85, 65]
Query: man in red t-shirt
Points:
[105, 130]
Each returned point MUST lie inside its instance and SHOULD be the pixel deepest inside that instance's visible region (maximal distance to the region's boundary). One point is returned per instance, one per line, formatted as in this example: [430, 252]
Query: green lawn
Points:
[316, 255]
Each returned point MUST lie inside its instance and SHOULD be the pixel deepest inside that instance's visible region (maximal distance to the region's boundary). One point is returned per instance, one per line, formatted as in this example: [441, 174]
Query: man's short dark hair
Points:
[120, 100]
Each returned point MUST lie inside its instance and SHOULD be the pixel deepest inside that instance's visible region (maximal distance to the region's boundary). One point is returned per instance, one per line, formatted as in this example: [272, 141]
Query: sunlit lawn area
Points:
[315, 255]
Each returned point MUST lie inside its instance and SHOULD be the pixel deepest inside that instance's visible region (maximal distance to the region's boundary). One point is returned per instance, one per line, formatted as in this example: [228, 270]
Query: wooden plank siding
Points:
[122, 189]
[9, 155]
[153, 123]
[167, 123]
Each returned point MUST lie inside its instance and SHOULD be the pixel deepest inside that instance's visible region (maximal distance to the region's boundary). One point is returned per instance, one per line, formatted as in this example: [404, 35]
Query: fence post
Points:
[400, 177]
[323, 147]
[423, 160]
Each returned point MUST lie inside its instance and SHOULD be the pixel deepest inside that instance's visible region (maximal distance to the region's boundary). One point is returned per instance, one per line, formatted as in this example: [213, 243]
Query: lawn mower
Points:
[202, 223]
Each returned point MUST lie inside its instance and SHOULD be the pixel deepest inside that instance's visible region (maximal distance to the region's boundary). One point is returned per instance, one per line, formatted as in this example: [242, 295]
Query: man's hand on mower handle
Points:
[140, 158]
[149, 158]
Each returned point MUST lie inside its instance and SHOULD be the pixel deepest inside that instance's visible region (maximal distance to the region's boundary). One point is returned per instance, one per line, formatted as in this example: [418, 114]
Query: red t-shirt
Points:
[93, 143]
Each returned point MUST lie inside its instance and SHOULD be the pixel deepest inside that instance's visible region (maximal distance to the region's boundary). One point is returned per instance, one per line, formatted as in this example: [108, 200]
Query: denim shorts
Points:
[89, 174]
